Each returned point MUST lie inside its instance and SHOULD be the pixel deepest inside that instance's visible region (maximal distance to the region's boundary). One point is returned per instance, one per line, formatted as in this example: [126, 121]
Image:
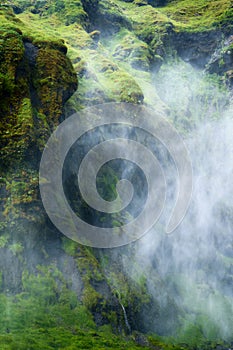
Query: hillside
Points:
[159, 292]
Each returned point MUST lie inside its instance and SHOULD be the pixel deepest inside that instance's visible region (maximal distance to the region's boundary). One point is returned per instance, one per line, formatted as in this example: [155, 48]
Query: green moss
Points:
[52, 316]
[123, 87]
[111, 17]
[90, 297]
[41, 130]
[18, 137]
[103, 80]
[69, 246]
[89, 269]
[21, 198]
[11, 53]
[132, 50]
[199, 16]
[117, 71]
[148, 23]
[54, 76]
[68, 11]
[25, 121]
[3, 241]
[100, 79]
[16, 248]
[72, 11]
[131, 292]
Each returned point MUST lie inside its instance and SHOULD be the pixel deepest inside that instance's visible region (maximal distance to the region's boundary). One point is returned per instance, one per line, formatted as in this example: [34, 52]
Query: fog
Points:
[195, 262]
[189, 273]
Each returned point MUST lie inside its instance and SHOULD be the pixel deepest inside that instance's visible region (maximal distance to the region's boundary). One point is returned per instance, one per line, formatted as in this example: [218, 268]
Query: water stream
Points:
[125, 317]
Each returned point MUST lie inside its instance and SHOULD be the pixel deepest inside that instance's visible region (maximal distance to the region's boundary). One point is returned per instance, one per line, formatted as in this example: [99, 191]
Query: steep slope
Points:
[62, 294]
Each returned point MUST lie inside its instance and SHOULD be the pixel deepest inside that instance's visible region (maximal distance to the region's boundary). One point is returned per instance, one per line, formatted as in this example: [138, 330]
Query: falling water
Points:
[125, 318]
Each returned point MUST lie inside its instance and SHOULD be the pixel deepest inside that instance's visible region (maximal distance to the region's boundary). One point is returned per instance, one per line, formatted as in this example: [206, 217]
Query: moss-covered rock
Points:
[63, 294]
[110, 18]
[36, 79]
[222, 60]
[133, 51]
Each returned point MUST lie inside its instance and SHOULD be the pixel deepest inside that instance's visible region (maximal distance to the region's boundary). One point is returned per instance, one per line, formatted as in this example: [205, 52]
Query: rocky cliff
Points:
[55, 293]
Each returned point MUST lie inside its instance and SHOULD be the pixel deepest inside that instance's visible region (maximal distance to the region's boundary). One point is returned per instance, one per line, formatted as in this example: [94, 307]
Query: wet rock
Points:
[140, 339]
[196, 48]
[221, 61]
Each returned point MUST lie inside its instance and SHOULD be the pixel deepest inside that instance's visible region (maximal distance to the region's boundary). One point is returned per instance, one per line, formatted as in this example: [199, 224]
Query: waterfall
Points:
[125, 317]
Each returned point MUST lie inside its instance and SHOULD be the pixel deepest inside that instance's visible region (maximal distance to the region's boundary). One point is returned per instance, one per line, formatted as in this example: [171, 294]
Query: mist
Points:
[188, 273]
[193, 265]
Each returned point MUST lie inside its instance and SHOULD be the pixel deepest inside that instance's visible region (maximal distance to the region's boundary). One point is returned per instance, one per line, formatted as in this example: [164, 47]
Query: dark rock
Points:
[156, 3]
[109, 19]
[31, 52]
[221, 61]
[140, 339]
[195, 48]
[141, 2]
[229, 78]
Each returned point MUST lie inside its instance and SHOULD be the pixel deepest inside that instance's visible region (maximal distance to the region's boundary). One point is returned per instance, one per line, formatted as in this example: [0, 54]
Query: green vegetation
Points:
[120, 51]
[23, 117]
[199, 16]
[46, 315]
[191, 96]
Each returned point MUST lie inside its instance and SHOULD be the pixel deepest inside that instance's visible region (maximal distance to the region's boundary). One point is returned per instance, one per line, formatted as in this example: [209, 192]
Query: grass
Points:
[200, 15]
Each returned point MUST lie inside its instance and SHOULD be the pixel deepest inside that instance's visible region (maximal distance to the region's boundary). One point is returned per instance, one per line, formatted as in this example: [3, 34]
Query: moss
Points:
[18, 137]
[133, 51]
[89, 269]
[16, 248]
[119, 71]
[129, 292]
[41, 130]
[97, 84]
[25, 121]
[21, 199]
[69, 246]
[11, 53]
[117, 84]
[23, 189]
[148, 23]
[90, 297]
[103, 80]
[73, 12]
[3, 241]
[54, 81]
[111, 18]
[199, 16]
[68, 11]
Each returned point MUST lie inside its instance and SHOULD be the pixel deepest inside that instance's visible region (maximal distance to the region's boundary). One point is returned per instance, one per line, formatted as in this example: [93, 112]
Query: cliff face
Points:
[36, 80]
[58, 290]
